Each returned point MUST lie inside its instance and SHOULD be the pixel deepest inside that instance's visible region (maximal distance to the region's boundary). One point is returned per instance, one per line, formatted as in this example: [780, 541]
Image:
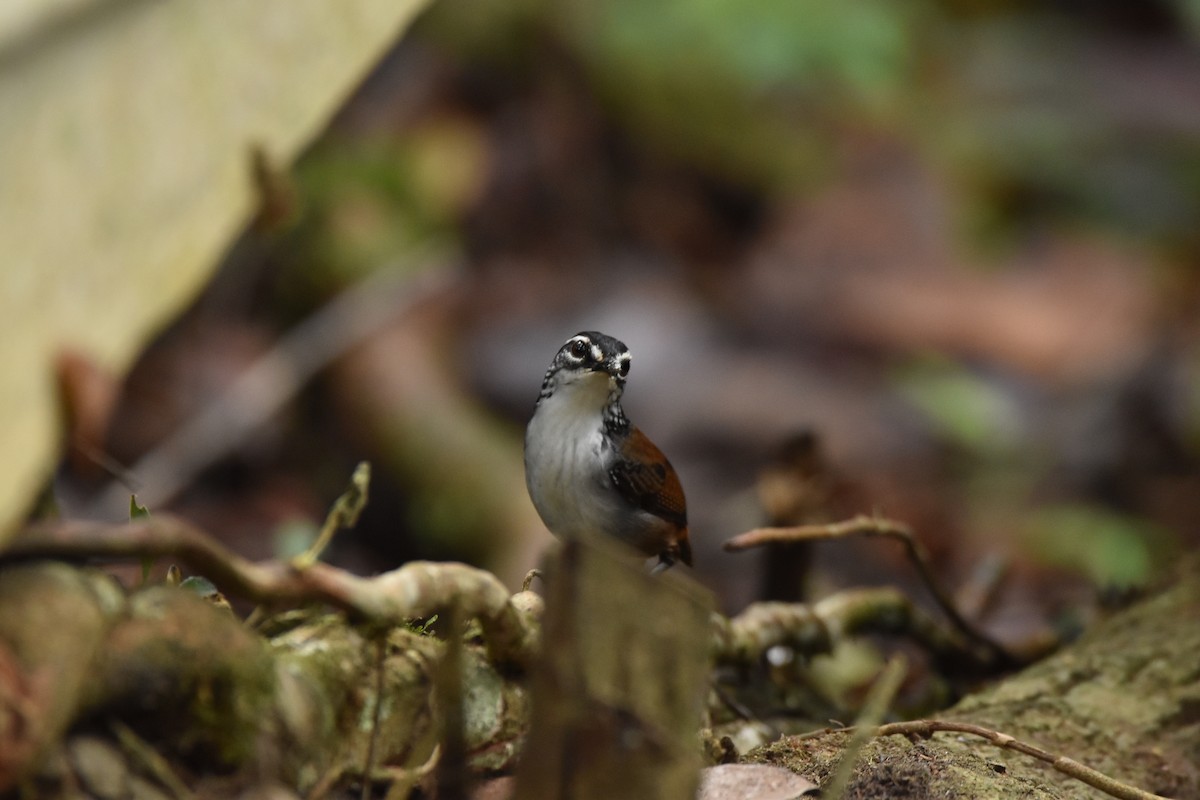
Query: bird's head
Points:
[589, 363]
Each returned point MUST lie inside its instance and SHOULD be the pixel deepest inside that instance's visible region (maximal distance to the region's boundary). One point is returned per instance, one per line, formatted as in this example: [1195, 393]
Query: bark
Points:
[183, 683]
[159, 692]
[1124, 699]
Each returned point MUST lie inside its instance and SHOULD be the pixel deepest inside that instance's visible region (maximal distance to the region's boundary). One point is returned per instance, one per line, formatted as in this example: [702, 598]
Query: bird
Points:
[589, 470]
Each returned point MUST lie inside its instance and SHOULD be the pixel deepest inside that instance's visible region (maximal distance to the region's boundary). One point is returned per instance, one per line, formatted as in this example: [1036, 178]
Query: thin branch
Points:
[742, 711]
[324, 785]
[376, 715]
[529, 578]
[879, 699]
[150, 760]
[413, 591]
[925, 728]
[404, 778]
[344, 514]
[810, 629]
[863, 525]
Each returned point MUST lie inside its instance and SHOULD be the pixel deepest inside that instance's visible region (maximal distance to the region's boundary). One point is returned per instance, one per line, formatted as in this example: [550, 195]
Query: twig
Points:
[978, 593]
[742, 711]
[376, 715]
[150, 760]
[529, 578]
[814, 629]
[925, 728]
[415, 590]
[325, 784]
[452, 776]
[863, 525]
[404, 778]
[879, 698]
[344, 514]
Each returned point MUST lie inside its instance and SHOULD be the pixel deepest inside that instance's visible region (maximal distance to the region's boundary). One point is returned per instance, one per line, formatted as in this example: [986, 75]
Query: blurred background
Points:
[934, 259]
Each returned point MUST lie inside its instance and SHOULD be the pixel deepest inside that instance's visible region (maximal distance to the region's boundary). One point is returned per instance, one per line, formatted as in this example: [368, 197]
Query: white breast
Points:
[566, 466]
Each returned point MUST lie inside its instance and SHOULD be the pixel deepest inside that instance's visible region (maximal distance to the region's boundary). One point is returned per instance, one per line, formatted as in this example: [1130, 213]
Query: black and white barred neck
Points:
[615, 421]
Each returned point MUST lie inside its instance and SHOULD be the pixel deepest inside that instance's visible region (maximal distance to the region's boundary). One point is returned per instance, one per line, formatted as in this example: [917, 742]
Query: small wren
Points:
[589, 471]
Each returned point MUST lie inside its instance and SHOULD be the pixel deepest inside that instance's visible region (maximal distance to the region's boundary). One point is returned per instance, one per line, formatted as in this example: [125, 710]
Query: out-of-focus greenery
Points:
[753, 91]
[1112, 549]
[369, 201]
[750, 90]
[964, 408]
[293, 537]
[1032, 117]
[1044, 120]
[1033, 112]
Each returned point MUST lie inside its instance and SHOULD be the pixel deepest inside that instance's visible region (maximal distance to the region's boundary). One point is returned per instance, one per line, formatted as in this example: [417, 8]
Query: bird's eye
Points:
[623, 370]
[579, 348]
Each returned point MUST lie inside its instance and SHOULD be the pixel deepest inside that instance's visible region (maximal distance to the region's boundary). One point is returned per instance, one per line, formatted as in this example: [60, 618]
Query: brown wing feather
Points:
[646, 479]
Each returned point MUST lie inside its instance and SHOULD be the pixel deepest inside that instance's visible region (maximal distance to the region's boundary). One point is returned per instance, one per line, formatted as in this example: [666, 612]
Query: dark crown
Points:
[590, 351]
[595, 351]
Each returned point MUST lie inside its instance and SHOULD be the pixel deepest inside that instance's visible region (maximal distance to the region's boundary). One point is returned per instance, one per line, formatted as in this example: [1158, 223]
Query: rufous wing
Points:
[646, 479]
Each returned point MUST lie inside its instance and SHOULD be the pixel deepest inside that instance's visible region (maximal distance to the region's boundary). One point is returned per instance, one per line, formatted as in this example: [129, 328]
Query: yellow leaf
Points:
[126, 133]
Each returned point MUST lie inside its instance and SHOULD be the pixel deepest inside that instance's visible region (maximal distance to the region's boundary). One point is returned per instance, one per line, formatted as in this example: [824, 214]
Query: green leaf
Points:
[423, 628]
[1113, 550]
[206, 590]
[199, 585]
[965, 408]
[136, 511]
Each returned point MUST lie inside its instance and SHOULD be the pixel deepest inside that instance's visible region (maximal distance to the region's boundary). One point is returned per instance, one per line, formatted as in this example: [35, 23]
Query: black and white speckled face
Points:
[587, 376]
[592, 351]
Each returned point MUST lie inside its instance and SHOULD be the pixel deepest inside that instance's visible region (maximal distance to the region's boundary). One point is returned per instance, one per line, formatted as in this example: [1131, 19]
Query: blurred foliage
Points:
[137, 511]
[1026, 121]
[370, 200]
[423, 627]
[747, 89]
[1112, 549]
[964, 408]
[754, 92]
[199, 585]
[1047, 120]
[1038, 111]
[841, 674]
[293, 537]
[1190, 11]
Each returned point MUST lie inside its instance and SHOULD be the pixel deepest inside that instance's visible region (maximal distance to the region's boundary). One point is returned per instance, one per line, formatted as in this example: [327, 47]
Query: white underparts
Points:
[567, 459]
[574, 439]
